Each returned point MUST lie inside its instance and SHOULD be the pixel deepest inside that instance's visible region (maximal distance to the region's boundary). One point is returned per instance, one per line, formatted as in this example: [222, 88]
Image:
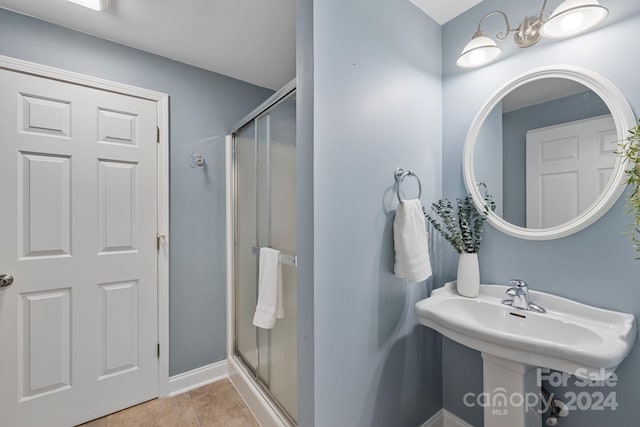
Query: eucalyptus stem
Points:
[630, 151]
[461, 226]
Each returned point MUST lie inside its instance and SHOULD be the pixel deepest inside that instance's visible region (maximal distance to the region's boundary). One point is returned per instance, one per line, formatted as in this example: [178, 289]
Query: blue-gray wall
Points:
[203, 107]
[515, 125]
[487, 160]
[304, 171]
[594, 266]
[377, 107]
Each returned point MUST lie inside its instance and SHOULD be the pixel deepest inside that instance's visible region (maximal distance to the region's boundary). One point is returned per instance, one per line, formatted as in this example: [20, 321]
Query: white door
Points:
[568, 166]
[78, 185]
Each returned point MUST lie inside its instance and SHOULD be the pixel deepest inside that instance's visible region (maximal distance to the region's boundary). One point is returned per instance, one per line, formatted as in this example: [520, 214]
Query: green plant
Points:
[630, 151]
[462, 226]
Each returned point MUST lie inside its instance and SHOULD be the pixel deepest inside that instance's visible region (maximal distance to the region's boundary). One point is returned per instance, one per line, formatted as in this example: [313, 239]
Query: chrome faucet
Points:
[520, 293]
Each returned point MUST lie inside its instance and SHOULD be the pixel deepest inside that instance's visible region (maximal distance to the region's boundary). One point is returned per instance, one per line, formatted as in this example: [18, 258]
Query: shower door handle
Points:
[285, 259]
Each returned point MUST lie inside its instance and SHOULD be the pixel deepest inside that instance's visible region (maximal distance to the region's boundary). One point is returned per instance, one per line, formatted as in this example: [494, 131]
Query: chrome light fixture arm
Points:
[526, 34]
[544, 6]
[500, 36]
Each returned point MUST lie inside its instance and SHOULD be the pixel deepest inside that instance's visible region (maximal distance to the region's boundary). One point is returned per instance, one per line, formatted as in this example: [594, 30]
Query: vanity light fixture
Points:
[97, 5]
[572, 17]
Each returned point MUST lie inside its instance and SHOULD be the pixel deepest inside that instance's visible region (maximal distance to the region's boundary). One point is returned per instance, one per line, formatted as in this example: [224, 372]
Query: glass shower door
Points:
[246, 264]
[266, 217]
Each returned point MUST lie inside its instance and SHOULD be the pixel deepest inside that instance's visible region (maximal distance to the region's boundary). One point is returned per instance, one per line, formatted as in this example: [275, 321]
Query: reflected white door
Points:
[568, 166]
[78, 221]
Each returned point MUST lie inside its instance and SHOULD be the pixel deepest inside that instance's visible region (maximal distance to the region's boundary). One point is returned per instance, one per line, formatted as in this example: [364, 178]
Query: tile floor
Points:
[213, 405]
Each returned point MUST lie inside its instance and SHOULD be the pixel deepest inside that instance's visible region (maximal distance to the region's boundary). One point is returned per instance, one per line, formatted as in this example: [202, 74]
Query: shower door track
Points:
[266, 105]
[264, 388]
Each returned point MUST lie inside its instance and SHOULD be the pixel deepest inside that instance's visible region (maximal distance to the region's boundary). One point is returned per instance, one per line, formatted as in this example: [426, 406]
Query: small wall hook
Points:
[482, 186]
[197, 160]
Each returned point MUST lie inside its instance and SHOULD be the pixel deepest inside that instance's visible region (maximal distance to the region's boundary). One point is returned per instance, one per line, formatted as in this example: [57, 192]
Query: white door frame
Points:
[162, 102]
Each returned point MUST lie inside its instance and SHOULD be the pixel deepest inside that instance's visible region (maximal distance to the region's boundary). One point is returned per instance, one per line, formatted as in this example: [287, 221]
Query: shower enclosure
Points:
[263, 197]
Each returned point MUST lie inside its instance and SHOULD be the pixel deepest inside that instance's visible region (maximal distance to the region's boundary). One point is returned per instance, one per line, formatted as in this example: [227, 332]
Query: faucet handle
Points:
[512, 292]
[518, 283]
[518, 289]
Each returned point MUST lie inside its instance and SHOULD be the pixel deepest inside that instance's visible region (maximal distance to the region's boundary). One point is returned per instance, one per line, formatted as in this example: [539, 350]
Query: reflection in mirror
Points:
[546, 152]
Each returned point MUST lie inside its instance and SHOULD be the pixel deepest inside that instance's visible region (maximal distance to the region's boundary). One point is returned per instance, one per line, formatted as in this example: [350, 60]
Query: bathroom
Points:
[377, 88]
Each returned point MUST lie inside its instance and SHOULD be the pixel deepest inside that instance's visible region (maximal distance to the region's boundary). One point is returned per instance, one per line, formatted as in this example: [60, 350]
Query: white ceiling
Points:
[539, 92]
[251, 40]
[443, 11]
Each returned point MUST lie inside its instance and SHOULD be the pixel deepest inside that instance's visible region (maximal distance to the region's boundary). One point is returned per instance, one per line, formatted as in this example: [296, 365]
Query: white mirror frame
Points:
[623, 117]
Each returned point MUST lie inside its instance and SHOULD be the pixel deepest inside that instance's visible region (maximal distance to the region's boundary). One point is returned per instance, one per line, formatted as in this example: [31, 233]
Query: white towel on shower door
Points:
[411, 242]
[270, 302]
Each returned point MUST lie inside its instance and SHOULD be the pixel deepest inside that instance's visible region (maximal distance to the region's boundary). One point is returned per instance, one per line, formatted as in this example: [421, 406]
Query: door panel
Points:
[78, 326]
[246, 270]
[278, 363]
[119, 327]
[44, 205]
[117, 192]
[45, 116]
[45, 326]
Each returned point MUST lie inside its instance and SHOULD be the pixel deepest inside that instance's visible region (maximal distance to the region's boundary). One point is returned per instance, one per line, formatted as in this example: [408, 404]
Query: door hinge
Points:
[158, 351]
[158, 135]
[159, 238]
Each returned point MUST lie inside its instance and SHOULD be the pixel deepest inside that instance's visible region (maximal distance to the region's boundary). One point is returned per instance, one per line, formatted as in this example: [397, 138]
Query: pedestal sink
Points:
[585, 341]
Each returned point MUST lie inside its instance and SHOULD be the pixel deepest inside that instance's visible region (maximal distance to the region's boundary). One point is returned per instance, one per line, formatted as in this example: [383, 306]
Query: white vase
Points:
[468, 275]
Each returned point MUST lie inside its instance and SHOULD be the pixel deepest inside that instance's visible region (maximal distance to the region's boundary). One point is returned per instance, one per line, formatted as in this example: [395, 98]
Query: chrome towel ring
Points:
[400, 174]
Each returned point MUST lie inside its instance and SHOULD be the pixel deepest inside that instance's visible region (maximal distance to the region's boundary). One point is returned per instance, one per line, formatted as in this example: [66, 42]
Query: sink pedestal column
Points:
[511, 393]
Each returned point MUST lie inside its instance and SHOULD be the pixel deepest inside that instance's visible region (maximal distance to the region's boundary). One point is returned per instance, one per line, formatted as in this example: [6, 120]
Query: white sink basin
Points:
[571, 337]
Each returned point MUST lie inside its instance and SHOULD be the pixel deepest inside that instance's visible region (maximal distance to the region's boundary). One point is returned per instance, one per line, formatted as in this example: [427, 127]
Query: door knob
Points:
[5, 280]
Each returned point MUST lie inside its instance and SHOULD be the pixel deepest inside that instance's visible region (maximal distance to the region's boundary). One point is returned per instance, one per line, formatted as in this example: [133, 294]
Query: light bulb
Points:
[477, 57]
[97, 5]
[573, 17]
[479, 51]
[572, 22]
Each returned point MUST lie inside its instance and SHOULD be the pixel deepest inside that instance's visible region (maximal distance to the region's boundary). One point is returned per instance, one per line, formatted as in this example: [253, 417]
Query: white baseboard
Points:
[437, 420]
[444, 418]
[187, 381]
[450, 420]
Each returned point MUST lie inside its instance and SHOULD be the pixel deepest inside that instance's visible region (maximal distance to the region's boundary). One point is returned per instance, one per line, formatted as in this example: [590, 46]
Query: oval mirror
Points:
[544, 147]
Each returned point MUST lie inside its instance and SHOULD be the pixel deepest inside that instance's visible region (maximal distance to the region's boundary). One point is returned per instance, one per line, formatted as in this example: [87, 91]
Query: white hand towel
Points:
[411, 242]
[270, 302]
